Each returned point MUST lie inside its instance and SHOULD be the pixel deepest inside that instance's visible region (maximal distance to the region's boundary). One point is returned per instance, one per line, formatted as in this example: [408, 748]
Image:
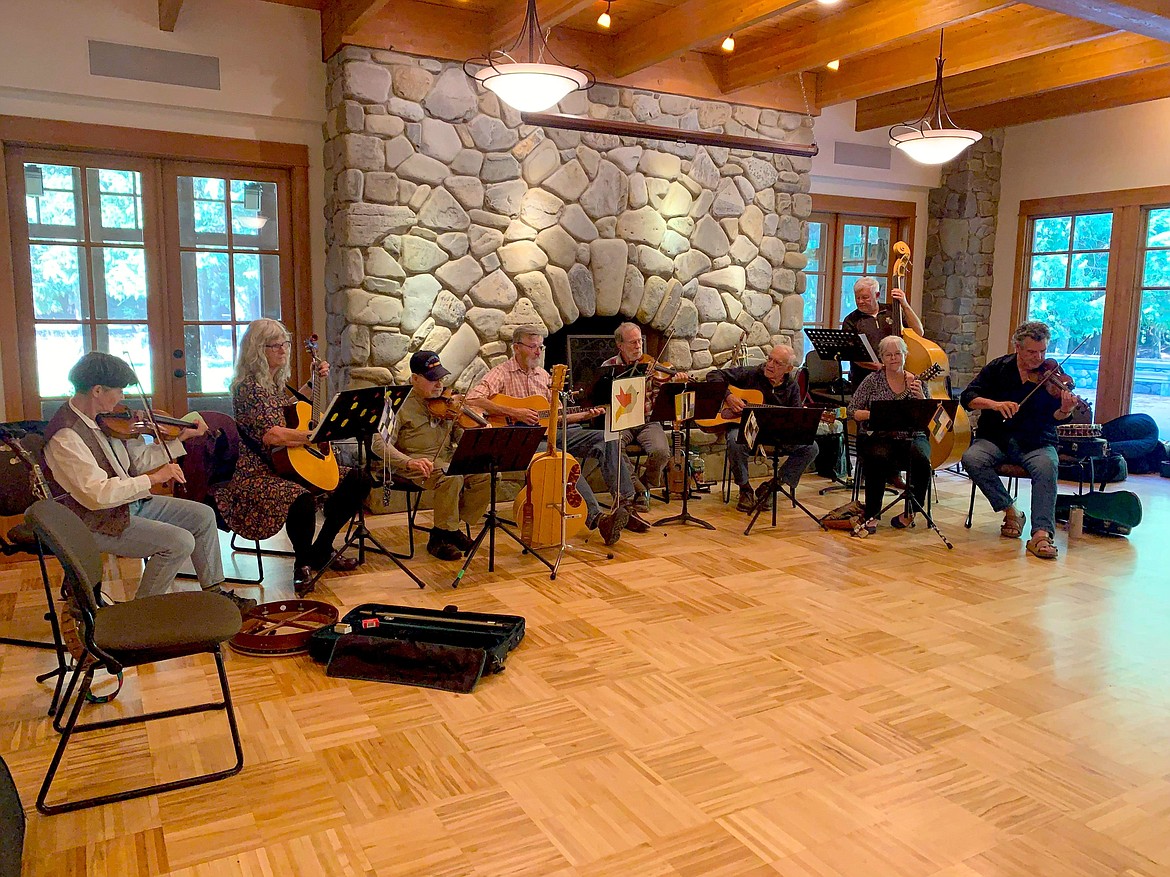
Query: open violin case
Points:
[433, 648]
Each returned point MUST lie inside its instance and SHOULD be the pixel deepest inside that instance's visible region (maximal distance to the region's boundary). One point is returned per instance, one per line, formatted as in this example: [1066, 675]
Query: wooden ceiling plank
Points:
[168, 14]
[981, 42]
[853, 31]
[1120, 91]
[510, 17]
[340, 17]
[691, 25]
[1149, 18]
[1101, 59]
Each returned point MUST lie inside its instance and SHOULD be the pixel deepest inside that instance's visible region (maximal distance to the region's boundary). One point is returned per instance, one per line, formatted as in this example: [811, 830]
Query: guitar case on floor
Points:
[1115, 513]
[433, 648]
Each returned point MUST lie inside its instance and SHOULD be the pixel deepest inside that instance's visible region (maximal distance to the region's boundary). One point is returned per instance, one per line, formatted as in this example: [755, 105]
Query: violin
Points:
[124, 424]
[450, 405]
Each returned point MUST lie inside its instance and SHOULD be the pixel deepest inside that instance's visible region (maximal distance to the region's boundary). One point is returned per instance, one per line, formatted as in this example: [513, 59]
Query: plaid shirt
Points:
[511, 380]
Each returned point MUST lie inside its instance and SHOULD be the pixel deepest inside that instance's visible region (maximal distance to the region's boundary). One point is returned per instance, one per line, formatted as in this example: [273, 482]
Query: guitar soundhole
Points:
[572, 497]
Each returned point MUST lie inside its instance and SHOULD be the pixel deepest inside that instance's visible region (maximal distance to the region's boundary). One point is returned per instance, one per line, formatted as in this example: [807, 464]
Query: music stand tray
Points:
[492, 451]
[912, 415]
[776, 427]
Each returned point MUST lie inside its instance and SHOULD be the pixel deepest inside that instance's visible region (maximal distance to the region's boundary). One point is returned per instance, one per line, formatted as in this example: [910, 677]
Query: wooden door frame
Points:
[1123, 298]
[20, 131]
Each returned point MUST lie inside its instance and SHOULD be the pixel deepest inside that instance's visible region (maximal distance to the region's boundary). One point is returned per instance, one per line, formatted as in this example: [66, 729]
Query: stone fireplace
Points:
[449, 223]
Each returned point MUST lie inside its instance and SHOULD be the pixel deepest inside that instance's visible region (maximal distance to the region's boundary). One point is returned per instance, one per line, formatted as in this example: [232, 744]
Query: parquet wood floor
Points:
[794, 702]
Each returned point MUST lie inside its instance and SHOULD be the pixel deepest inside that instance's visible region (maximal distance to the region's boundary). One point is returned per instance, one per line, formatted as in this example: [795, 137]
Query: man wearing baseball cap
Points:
[420, 448]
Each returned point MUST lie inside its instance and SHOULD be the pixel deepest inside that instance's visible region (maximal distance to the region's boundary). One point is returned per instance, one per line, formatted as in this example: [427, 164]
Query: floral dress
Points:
[255, 502]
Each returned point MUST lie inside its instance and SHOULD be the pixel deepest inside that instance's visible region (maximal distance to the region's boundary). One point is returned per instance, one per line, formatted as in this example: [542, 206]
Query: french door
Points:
[161, 262]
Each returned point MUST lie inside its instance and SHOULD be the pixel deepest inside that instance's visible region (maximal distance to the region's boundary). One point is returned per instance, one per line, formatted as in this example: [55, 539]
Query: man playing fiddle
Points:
[420, 448]
[650, 435]
[775, 381]
[1018, 425]
[875, 322]
[522, 376]
[107, 483]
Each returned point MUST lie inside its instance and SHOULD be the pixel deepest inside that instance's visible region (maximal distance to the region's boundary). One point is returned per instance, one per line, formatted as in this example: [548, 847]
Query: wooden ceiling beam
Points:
[509, 18]
[691, 25]
[341, 17]
[1120, 91]
[168, 14]
[854, 31]
[1101, 59]
[1149, 18]
[981, 42]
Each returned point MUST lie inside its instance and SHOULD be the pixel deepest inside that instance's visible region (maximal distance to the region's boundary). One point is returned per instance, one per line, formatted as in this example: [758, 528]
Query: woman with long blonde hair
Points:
[257, 502]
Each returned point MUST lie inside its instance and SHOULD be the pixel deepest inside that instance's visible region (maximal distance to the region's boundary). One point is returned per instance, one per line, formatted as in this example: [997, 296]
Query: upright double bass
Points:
[923, 356]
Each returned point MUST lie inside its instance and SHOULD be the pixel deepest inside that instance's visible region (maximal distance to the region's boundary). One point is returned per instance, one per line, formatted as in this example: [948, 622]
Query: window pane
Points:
[59, 287]
[812, 283]
[1093, 231]
[54, 214]
[58, 347]
[254, 223]
[210, 358]
[1089, 270]
[206, 289]
[121, 273]
[1051, 235]
[1158, 228]
[132, 343]
[1157, 269]
[1049, 272]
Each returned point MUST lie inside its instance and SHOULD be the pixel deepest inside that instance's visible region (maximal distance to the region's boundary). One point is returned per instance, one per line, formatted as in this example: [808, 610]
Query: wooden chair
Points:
[130, 634]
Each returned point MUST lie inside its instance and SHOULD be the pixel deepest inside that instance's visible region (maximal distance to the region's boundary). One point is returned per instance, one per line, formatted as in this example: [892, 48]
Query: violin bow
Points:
[146, 409]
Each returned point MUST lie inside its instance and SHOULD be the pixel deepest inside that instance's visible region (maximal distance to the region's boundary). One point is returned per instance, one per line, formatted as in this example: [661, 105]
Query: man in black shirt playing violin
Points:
[1017, 424]
[774, 380]
[107, 482]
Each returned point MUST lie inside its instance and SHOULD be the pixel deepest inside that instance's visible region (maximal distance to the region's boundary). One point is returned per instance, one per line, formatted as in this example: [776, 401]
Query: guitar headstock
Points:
[558, 379]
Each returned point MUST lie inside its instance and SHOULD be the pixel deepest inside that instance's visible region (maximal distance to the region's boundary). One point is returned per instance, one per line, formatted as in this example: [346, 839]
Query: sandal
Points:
[902, 521]
[1042, 547]
[864, 528]
[1013, 525]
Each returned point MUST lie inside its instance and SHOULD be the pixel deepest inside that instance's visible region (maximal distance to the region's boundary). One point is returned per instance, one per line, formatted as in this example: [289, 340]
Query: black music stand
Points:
[355, 415]
[492, 451]
[778, 427]
[708, 400]
[838, 345]
[912, 415]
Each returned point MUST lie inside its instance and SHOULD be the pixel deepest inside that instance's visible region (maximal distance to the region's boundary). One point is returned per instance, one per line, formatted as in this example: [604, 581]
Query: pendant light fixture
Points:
[933, 138]
[529, 85]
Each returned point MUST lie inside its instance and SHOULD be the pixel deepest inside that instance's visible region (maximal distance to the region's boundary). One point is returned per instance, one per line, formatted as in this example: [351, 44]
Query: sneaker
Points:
[610, 526]
[244, 604]
[438, 546]
[642, 501]
[747, 500]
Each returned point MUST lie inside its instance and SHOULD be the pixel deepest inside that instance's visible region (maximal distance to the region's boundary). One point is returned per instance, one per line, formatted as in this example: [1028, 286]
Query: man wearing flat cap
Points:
[420, 449]
[107, 482]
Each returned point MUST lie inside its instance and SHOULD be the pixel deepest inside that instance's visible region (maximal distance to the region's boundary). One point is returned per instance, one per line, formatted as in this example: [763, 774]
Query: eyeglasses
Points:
[280, 346]
[533, 347]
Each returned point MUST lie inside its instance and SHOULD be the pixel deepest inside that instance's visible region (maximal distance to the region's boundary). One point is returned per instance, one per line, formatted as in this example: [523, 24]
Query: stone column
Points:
[960, 243]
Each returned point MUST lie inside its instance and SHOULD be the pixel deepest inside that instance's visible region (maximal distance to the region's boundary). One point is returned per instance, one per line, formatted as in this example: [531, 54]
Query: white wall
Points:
[904, 181]
[272, 80]
[1123, 148]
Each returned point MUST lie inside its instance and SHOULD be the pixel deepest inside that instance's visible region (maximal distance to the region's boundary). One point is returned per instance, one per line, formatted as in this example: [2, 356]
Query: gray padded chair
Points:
[129, 635]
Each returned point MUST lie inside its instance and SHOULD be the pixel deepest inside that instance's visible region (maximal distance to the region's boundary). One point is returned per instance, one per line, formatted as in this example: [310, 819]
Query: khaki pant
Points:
[458, 498]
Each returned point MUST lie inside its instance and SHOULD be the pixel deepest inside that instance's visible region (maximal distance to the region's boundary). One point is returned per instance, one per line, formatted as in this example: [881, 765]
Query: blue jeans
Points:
[799, 457]
[983, 456]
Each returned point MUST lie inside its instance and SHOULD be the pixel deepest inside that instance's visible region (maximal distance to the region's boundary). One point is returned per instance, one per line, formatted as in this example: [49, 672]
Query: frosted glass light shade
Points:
[931, 146]
[531, 88]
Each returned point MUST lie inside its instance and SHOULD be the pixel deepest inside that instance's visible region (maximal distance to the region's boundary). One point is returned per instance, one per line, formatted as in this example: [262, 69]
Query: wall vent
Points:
[861, 155]
[153, 65]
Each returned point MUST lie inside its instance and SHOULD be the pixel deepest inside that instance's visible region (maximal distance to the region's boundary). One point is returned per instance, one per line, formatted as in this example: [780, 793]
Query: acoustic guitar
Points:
[924, 356]
[550, 476]
[314, 466]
